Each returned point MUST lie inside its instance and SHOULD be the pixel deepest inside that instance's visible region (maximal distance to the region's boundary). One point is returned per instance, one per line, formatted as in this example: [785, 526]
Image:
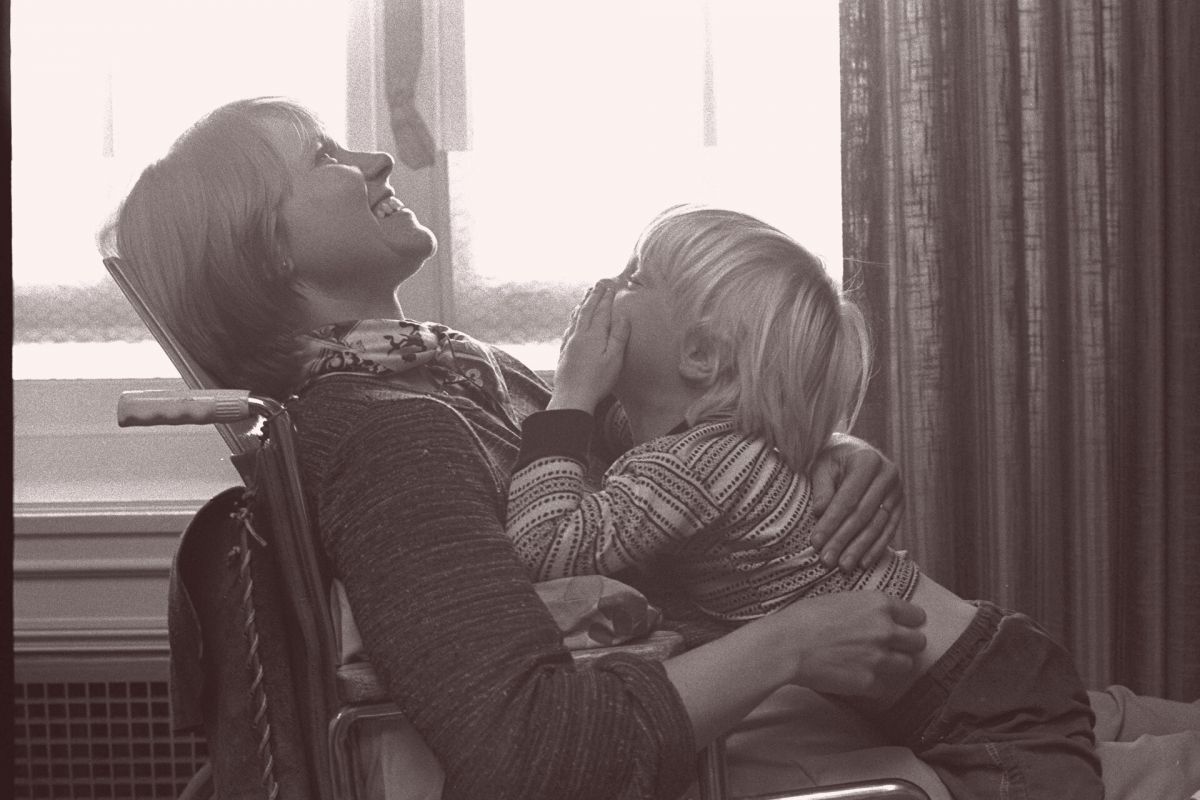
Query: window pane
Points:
[101, 88]
[588, 119]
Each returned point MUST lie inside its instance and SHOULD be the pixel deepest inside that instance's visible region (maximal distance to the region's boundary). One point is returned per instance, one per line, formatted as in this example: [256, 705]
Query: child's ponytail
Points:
[816, 382]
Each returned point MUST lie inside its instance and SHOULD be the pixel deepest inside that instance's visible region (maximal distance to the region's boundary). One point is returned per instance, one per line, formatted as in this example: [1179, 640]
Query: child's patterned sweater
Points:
[718, 511]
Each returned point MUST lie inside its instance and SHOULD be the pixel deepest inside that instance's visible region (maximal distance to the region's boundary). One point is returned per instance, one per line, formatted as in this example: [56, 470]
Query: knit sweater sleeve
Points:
[611, 436]
[410, 513]
[650, 503]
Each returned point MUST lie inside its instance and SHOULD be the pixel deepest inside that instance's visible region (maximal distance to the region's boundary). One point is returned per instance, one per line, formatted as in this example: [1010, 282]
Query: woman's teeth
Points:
[387, 206]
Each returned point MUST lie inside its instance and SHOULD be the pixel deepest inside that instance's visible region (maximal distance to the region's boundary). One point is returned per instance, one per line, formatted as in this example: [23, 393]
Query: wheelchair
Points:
[271, 612]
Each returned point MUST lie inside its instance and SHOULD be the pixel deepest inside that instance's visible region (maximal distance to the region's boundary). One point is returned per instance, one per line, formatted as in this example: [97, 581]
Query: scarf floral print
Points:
[391, 346]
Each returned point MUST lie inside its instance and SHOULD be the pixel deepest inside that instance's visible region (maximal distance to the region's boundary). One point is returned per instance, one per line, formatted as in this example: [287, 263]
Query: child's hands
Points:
[592, 352]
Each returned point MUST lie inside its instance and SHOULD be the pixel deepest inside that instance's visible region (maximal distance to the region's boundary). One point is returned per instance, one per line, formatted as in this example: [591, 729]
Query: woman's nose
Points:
[374, 166]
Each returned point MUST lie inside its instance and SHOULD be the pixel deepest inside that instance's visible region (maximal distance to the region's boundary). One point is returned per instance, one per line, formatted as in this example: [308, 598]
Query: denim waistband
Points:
[912, 713]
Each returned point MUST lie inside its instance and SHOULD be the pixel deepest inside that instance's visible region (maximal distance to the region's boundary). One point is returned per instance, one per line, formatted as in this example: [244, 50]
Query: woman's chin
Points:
[409, 265]
[411, 242]
[432, 243]
[411, 251]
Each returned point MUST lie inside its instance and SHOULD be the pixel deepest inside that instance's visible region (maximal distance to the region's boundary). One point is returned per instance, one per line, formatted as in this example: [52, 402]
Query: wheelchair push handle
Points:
[183, 407]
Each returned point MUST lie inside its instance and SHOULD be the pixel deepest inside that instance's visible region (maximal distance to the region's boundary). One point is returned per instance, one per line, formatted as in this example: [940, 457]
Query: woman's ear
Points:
[699, 358]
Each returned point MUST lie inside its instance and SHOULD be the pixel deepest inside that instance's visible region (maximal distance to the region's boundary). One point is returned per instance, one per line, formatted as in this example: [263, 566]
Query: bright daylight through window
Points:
[584, 120]
[99, 89]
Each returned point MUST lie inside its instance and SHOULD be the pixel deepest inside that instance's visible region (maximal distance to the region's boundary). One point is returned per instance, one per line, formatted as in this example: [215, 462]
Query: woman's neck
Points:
[325, 307]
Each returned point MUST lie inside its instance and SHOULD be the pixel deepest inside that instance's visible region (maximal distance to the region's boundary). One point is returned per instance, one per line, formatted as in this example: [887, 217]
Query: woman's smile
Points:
[391, 213]
[387, 206]
[330, 238]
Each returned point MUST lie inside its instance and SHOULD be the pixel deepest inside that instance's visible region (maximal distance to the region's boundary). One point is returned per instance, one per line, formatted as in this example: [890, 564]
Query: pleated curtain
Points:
[1022, 219]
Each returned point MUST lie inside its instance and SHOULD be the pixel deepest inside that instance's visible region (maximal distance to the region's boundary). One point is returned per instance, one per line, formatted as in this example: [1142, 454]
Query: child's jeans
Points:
[1003, 714]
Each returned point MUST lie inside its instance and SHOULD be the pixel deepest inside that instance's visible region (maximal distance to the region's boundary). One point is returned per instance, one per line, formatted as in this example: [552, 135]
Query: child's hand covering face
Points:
[593, 351]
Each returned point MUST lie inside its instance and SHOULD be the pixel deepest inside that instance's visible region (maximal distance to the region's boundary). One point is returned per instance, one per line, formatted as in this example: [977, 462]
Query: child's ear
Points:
[699, 359]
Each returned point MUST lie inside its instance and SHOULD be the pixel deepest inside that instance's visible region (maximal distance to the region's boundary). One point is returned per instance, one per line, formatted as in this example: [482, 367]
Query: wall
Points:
[97, 514]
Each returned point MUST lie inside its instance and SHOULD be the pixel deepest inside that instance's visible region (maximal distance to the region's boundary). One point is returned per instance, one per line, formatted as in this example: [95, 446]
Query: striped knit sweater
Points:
[719, 512]
[408, 492]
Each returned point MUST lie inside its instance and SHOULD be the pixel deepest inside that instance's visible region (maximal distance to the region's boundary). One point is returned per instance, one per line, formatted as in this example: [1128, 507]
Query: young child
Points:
[735, 358]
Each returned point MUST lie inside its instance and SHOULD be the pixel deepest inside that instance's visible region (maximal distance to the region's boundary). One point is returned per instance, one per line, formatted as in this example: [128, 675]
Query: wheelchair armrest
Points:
[893, 789]
[357, 684]
[657, 646]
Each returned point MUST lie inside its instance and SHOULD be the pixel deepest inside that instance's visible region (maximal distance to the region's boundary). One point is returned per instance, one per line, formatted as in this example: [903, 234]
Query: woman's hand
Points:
[592, 352]
[859, 496]
[859, 643]
[862, 644]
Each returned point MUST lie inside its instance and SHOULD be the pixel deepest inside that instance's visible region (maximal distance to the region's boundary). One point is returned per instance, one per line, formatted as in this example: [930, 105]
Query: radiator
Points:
[108, 739]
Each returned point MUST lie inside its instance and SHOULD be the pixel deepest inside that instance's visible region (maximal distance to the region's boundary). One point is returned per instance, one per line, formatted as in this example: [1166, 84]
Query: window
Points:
[582, 121]
[100, 89]
[587, 119]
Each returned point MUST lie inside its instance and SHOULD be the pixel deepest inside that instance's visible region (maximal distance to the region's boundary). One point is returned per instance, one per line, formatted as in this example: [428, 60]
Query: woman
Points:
[257, 239]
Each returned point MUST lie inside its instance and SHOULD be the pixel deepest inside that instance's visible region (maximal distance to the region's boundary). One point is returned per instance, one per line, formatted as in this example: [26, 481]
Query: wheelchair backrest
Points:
[239, 437]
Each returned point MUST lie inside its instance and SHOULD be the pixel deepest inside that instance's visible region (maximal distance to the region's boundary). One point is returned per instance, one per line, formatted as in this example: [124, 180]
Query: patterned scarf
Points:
[391, 346]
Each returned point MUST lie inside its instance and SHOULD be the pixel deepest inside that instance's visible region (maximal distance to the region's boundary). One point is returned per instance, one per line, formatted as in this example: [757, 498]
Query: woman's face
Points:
[344, 228]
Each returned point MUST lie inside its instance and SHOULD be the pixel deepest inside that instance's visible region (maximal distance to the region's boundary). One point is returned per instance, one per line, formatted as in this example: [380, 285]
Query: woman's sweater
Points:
[408, 492]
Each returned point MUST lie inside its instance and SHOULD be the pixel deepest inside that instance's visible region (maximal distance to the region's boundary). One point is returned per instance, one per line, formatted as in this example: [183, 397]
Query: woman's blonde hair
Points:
[792, 351]
[201, 234]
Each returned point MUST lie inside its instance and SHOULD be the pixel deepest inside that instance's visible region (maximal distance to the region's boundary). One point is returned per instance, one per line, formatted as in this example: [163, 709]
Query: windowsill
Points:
[146, 361]
[72, 518]
[74, 468]
[72, 461]
[143, 360]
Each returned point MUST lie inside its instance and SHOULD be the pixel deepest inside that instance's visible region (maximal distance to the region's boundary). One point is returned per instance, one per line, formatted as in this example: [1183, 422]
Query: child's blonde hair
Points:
[792, 352]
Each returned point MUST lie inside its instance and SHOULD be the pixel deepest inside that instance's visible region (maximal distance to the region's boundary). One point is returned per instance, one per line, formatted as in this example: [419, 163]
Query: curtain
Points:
[403, 40]
[1022, 218]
